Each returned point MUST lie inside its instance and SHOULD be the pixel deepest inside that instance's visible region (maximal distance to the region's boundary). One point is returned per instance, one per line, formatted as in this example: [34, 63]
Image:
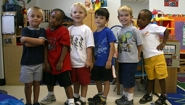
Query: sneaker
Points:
[36, 103]
[95, 97]
[28, 104]
[48, 99]
[80, 102]
[76, 99]
[161, 100]
[146, 98]
[100, 100]
[122, 99]
[126, 102]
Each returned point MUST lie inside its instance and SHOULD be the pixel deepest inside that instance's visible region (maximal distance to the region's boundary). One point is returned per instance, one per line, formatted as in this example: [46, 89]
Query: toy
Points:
[88, 5]
[97, 4]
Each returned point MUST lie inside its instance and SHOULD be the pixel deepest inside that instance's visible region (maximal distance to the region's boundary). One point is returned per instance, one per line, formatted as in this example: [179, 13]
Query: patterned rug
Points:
[178, 98]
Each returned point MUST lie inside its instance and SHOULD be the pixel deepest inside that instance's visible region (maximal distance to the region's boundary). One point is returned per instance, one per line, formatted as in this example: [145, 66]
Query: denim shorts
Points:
[126, 74]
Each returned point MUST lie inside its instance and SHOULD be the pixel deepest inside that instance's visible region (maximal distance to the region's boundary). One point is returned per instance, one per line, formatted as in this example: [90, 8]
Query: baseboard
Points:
[2, 82]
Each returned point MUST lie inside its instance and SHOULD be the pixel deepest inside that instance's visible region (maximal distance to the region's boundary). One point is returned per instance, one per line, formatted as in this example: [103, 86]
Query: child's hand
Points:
[47, 67]
[87, 64]
[161, 46]
[108, 65]
[59, 66]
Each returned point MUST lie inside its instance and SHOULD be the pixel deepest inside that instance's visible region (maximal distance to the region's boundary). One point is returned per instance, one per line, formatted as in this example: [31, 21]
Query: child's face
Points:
[142, 20]
[34, 19]
[100, 21]
[125, 18]
[78, 14]
[55, 20]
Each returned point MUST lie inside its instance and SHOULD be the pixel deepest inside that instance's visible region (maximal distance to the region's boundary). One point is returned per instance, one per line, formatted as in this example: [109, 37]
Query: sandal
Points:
[146, 98]
[161, 100]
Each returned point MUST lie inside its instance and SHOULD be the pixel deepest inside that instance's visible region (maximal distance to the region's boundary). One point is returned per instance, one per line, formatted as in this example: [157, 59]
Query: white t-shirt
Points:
[150, 36]
[81, 38]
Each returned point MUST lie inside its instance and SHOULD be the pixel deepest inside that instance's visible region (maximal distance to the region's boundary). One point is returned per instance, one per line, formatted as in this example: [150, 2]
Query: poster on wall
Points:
[171, 3]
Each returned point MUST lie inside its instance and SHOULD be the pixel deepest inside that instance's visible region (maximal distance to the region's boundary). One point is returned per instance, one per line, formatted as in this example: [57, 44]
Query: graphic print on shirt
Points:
[124, 41]
[77, 41]
[51, 43]
[101, 47]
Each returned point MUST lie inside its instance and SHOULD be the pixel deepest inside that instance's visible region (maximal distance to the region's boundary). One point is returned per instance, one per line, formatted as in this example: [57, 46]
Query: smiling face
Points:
[78, 14]
[125, 18]
[100, 21]
[34, 18]
[143, 19]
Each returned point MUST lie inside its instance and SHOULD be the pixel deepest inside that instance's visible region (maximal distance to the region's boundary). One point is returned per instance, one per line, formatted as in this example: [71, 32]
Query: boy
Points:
[57, 62]
[155, 64]
[103, 53]
[82, 42]
[129, 50]
[33, 39]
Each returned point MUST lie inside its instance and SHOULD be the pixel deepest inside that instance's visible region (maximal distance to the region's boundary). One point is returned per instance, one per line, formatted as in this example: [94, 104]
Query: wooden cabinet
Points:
[12, 50]
[89, 20]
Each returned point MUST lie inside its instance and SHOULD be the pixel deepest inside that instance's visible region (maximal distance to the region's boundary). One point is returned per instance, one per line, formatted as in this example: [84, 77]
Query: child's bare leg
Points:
[69, 92]
[76, 87]
[36, 90]
[162, 83]
[84, 90]
[50, 88]
[28, 91]
[99, 86]
[150, 86]
[106, 88]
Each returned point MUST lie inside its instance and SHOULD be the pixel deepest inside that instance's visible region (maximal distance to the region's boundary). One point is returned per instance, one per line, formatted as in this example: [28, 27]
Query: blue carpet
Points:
[178, 98]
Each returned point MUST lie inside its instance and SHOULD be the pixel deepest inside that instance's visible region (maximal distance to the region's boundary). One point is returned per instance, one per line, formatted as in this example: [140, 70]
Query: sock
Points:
[124, 93]
[150, 94]
[76, 95]
[50, 93]
[71, 100]
[100, 93]
[130, 96]
[83, 99]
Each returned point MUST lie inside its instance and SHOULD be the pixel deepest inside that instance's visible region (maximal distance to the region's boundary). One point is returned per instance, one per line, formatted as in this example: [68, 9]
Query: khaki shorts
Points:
[155, 67]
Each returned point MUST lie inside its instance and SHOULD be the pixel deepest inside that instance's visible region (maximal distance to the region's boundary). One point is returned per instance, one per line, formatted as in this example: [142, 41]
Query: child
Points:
[129, 50]
[103, 54]
[82, 42]
[155, 64]
[57, 62]
[33, 39]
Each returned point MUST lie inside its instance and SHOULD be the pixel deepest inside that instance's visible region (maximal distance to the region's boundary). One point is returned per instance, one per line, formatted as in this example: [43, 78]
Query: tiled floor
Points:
[18, 92]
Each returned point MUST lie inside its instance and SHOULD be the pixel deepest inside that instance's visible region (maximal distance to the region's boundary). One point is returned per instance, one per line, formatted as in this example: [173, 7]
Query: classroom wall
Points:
[159, 4]
[62, 4]
[136, 6]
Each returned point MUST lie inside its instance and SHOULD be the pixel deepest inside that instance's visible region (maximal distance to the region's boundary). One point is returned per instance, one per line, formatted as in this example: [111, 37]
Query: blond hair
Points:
[79, 4]
[34, 8]
[126, 8]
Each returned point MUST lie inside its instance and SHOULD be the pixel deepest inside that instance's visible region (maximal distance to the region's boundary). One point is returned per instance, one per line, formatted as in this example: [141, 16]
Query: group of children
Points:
[67, 55]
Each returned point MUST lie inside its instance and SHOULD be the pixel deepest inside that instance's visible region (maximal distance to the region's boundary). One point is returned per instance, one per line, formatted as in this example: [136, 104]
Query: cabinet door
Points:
[12, 58]
[87, 20]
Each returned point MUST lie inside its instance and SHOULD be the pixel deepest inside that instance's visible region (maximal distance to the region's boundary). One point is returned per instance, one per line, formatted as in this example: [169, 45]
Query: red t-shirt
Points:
[56, 39]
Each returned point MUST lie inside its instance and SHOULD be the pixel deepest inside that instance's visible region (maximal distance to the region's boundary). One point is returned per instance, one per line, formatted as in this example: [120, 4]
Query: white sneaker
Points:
[48, 99]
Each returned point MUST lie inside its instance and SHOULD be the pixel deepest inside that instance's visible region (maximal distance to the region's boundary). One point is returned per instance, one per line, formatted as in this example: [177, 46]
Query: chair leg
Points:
[137, 85]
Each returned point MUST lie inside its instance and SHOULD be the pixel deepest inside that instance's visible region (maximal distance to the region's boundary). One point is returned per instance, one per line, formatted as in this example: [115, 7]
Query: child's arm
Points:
[32, 42]
[59, 65]
[46, 63]
[111, 53]
[139, 48]
[89, 57]
[161, 46]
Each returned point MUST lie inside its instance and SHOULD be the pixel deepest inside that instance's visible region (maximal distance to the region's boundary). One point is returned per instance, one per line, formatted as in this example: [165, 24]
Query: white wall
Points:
[65, 6]
[136, 6]
[159, 4]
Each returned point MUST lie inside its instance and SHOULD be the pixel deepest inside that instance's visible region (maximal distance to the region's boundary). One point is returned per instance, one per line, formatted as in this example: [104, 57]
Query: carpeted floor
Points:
[179, 97]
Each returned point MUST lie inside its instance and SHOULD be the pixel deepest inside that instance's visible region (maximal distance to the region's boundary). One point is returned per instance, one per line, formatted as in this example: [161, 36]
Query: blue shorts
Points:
[126, 74]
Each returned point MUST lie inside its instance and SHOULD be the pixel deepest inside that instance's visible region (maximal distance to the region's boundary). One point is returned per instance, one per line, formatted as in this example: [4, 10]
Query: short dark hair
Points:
[61, 11]
[149, 13]
[102, 12]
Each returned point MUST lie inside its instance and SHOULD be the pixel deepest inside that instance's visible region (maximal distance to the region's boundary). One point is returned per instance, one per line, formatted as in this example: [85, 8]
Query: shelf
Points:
[162, 19]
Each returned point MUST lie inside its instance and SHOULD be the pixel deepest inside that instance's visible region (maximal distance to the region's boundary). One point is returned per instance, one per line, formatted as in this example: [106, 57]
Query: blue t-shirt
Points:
[102, 42]
[33, 55]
